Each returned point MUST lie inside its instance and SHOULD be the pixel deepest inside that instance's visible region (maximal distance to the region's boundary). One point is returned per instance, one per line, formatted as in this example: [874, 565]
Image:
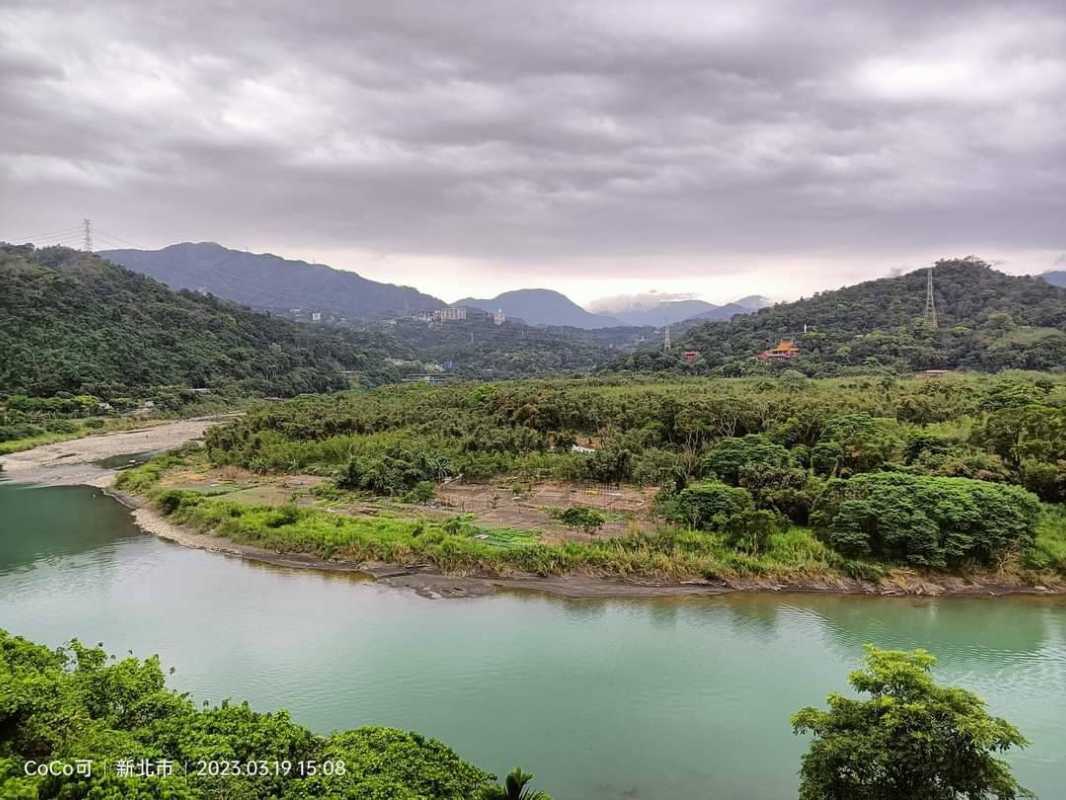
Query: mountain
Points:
[987, 321]
[665, 312]
[261, 280]
[1056, 278]
[753, 302]
[671, 312]
[72, 322]
[541, 307]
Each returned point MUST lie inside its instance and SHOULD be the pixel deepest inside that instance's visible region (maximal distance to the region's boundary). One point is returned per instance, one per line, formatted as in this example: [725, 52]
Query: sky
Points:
[598, 148]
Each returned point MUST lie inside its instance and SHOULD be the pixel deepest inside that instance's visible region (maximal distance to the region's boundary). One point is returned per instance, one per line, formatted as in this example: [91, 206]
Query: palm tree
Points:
[514, 788]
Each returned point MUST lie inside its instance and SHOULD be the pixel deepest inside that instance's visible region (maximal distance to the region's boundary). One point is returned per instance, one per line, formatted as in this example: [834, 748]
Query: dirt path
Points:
[73, 462]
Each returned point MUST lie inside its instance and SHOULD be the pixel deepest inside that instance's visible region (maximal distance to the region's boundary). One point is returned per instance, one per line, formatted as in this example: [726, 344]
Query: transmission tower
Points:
[666, 339]
[87, 242]
[930, 303]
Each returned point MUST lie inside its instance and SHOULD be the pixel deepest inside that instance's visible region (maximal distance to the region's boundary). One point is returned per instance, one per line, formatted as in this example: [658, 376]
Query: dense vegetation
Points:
[945, 474]
[988, 321]
[478, 348]
[911, 739]
[70, 322]
[76, 703]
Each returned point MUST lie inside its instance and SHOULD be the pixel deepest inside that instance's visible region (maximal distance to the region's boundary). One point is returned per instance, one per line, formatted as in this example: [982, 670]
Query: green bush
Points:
[923, 520]
[729, 456]
[588, 519]
[710, 505]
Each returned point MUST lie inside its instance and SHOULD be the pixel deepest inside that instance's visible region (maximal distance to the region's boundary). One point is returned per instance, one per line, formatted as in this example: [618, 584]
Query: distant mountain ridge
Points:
[1056, 277]
[541, 307]
[266, 281]
[987, 321]
[670, 312]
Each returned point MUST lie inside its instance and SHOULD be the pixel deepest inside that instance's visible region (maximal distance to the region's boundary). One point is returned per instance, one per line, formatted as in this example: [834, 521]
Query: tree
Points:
[515, 787]
[912, 740]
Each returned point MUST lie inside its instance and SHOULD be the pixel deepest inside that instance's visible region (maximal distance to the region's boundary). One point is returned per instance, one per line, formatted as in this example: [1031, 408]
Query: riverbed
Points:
[602, 698]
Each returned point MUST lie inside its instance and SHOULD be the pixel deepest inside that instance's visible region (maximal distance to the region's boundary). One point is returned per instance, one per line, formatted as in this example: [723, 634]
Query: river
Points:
[602, 699]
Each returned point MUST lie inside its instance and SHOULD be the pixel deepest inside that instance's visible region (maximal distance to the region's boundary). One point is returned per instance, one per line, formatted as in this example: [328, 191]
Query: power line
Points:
[49, 235]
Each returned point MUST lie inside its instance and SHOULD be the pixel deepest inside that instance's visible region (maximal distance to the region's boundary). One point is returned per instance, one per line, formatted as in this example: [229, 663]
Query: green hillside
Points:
[71, 322]
[987, 321]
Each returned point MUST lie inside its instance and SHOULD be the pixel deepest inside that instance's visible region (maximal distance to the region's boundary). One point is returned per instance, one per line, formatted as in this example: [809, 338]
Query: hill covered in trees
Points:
[540, 307]
[262, 280]
[478, 348]
[72, 322]
[987, 321]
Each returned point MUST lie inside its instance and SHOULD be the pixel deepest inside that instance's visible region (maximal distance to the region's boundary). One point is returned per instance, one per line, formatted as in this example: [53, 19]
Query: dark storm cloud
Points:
[541, 131]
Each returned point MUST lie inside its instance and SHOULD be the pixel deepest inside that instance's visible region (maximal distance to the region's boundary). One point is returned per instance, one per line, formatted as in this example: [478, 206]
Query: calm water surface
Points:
[602, 699]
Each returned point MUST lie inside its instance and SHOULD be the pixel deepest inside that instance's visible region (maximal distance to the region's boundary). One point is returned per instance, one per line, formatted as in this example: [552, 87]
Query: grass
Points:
[1049, 552]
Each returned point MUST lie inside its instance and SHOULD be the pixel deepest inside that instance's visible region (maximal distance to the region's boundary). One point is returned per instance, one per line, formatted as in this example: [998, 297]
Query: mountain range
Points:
[265, 281]
[1056, 277]
[985, 320]
[269, 282]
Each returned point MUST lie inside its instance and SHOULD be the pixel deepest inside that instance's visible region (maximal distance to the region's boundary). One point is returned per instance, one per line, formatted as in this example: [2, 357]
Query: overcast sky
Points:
[597, 148]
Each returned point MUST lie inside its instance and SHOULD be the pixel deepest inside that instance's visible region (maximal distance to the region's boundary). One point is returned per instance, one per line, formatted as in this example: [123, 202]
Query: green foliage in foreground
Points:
[77, 703]
[911, 739]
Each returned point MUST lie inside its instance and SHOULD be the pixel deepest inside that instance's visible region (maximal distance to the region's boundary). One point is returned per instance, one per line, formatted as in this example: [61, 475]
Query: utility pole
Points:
[87, 243]
[930, 303]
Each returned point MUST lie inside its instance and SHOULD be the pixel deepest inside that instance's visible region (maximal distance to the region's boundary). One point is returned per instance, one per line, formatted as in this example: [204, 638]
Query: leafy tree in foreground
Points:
[515, 787]
[911, 739]
[76, 703]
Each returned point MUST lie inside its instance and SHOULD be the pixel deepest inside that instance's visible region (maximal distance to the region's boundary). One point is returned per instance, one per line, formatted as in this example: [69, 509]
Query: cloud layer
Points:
[523, 141]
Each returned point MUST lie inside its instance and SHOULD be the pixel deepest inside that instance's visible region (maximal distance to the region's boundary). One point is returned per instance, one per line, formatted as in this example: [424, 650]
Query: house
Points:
[783, 350]
[690, 356]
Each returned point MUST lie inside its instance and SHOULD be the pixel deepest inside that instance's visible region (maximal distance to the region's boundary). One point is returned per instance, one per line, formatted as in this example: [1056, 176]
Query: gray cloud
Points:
[542, 133]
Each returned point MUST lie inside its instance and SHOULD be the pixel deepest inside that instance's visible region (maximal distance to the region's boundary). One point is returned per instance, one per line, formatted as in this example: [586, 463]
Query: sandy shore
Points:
[72, 463]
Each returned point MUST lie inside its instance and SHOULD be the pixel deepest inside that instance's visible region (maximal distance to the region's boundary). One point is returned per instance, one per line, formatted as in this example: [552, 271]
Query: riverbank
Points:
[458, 563]
[76, 462]
[429, 581]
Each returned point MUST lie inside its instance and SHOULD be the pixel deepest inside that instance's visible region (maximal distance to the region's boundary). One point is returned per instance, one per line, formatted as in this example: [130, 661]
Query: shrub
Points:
[709, 505]
[786, 490]
[751, 530]
[726, 458]
[924, 520]
[588, 519]
[1048, 481]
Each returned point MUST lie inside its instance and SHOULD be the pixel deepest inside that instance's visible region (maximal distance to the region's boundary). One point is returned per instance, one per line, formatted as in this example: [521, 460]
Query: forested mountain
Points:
[986, 321]
[261, 280]
[540, 307]
[72, 322]
[478, 348]
[1055, 278]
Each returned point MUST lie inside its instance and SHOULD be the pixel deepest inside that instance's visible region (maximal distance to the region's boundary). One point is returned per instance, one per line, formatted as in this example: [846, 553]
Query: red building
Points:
[690, 356]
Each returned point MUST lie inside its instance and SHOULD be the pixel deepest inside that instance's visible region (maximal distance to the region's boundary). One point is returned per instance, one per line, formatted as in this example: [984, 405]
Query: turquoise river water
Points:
[602, 699]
